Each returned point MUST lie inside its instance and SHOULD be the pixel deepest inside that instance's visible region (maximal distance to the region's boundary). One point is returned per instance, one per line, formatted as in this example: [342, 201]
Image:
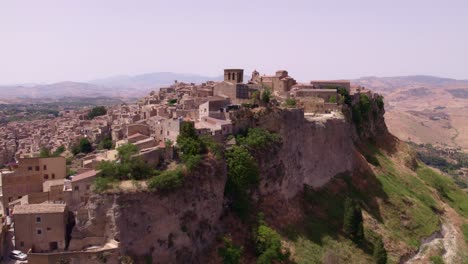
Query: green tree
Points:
[106, 143]
[268, 245]
[266, 96]
[172, 102]
[230, 253]
[380, 254]
[45, 153]
[85, 146]
[59, 151]
[97, 111]
[332, 99]
[352, 222]
[126, 152]
[242, 174]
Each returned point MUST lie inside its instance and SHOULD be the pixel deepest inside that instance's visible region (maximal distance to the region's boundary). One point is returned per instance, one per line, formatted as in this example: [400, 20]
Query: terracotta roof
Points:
[84, 175]
[44, 208]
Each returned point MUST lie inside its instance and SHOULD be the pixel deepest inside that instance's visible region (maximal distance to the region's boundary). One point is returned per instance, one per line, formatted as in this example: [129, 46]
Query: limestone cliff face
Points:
[168, 228]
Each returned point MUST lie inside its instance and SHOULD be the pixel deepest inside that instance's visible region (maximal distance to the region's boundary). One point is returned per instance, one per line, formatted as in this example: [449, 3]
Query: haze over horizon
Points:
[51, 41]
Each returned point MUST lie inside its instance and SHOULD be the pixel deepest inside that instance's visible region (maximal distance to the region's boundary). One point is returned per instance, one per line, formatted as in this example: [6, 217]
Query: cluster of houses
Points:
[42, 200]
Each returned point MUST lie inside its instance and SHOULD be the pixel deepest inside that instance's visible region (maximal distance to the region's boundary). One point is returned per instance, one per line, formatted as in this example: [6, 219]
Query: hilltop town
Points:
[47, 179]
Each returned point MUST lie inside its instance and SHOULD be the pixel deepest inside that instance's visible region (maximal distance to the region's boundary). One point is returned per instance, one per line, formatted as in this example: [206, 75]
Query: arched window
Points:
[229, 76]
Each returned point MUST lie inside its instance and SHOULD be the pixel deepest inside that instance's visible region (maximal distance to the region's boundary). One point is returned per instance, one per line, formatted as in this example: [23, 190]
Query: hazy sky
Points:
[48, 41]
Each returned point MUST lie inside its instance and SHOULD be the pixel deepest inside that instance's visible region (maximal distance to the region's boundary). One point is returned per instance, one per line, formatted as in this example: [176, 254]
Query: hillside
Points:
[117, 86]
[424, 109]
[279, 195]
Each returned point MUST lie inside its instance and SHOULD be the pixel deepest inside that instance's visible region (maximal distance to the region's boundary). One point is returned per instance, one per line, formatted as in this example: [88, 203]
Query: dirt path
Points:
[447, 243]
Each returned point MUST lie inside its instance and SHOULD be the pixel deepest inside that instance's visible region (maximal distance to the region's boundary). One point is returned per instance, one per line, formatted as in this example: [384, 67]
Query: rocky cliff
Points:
[163, 227]
[178, 227]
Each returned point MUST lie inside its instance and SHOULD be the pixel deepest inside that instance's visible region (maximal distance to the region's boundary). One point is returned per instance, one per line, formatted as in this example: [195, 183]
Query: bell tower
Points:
[234, 75]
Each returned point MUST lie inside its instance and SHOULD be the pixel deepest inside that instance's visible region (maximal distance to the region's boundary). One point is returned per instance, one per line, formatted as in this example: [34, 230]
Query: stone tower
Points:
[234, 75]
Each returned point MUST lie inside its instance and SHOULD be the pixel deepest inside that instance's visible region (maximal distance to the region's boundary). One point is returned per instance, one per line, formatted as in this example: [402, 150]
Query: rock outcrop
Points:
[166, 227]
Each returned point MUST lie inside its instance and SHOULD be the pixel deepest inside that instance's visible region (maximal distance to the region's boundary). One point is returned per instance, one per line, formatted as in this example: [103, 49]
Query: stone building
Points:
[280, 83]
[40, 227]
[29, 177]
[233, 87]
[331, 84]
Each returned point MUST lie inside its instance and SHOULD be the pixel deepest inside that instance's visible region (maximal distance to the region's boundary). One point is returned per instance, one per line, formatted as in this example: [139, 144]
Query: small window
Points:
[45, 167]
[38, 219]
[77, 188]
[39, 231]
[53, 175]
[48, 229]
[46, 176]
[21, 244]
[37, 168]
[30, 168]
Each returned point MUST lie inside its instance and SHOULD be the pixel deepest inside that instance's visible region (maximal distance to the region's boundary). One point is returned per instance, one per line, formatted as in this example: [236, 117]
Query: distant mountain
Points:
[390, 84]
[152, 80]
[55, 90]
[122, 86]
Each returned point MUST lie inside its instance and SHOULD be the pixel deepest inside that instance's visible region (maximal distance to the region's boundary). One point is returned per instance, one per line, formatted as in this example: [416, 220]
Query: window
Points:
[45, 167]
[53, 175]
[39, 231]
[30, 168]
[77, 188]
[21, 244]
[48, 229]
[88, 187]
[46, 176]
[37, 168]
[38, 219]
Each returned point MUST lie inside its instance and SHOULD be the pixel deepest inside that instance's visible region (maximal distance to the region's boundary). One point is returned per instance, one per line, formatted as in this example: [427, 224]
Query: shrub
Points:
[167, 180]
[332, 99]
[266, 96]
[230, 253]
[258, 138]
[84, 146]
[102, 184]
[97, 111]
[106, 143]
[352, 222]
[290, 102]
[436, 260]
[268, 245]
[192, 161]
[126, 151]
[345, 95]
[380, 254]
[172, 102]
[380, 102]
[242, 174]
[45, 153]
[59, 151]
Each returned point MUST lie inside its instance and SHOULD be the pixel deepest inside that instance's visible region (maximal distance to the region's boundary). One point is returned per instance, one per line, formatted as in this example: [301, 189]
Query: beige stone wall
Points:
[52, 226]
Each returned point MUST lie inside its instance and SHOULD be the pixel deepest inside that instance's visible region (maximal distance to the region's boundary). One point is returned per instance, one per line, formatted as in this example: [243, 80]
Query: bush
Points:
[266, 96]
[172, 102]
[167, 180]
[97, 111]
[45, 153]
[332, 99]
[344, 95]
[268, 245]
[436, 260]
[352, 222]
[102, 184]
[380, 254]
[290, 102]
[242, 174]
[106, 143]
[258, 138]
[126, 151]
[59, 151]
[84, 146]
[230, 253]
